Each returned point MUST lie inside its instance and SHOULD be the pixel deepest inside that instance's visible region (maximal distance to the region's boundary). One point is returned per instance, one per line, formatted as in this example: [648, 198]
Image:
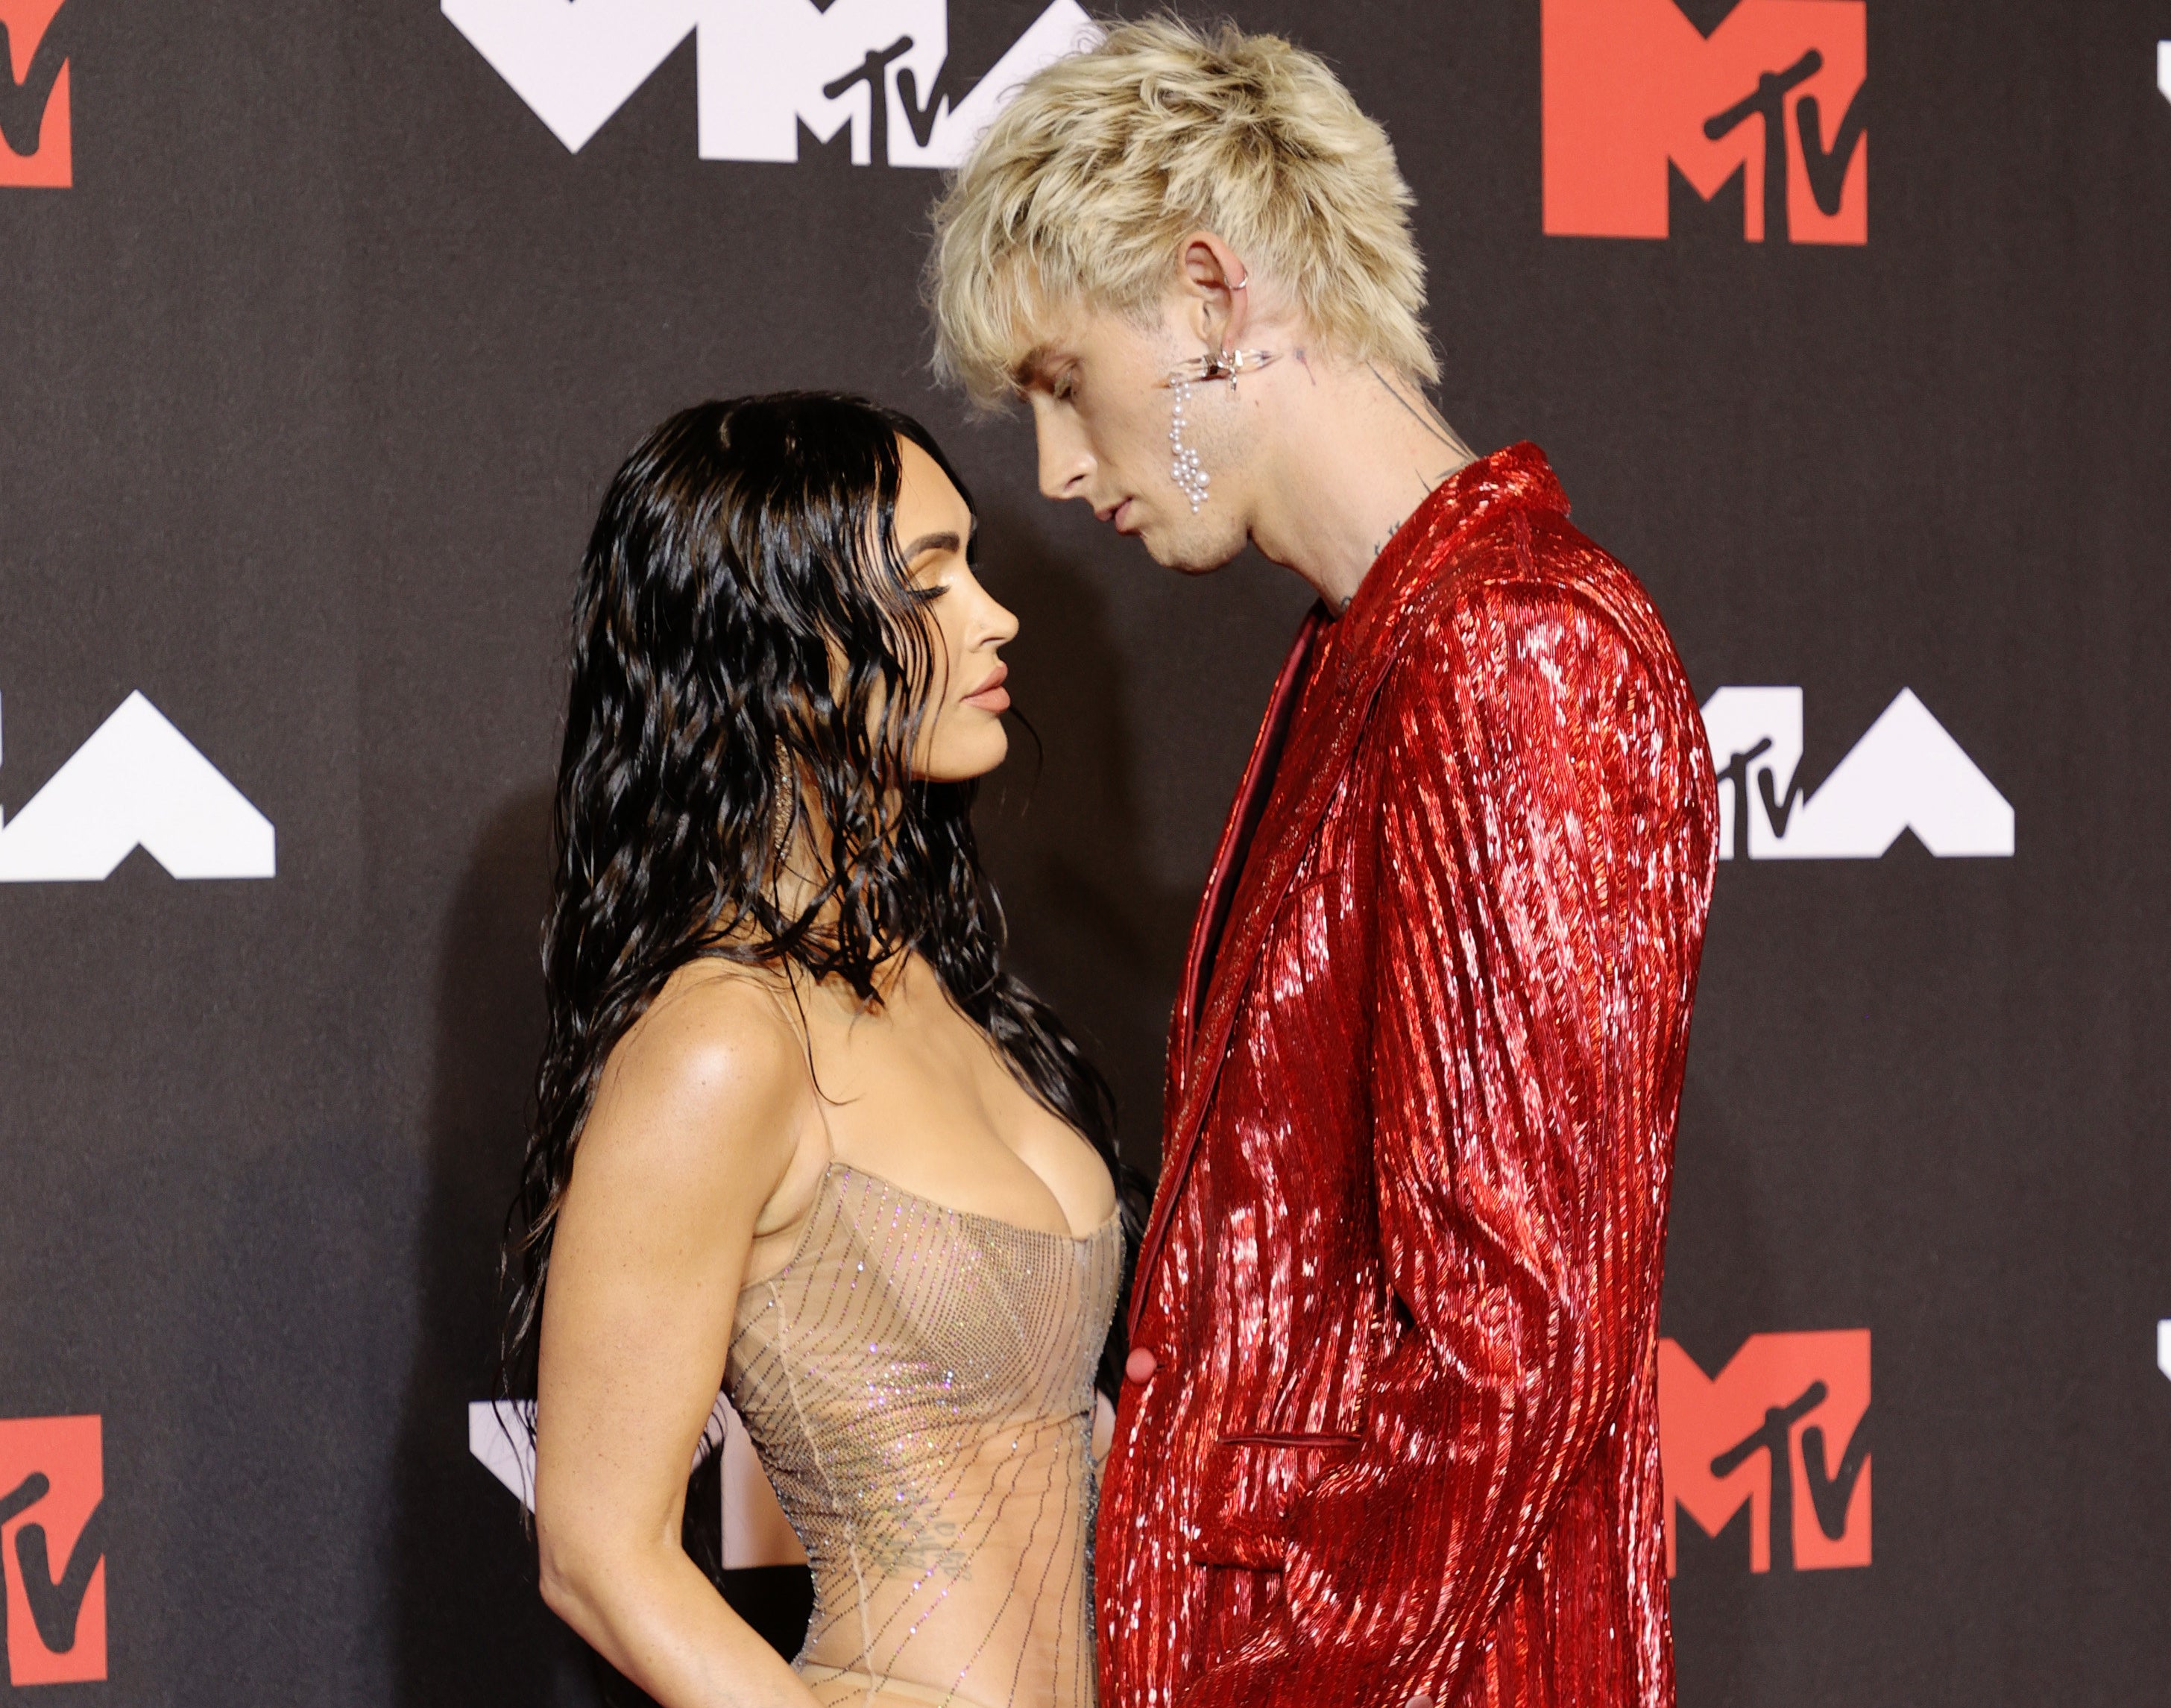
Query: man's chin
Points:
[1189, 551]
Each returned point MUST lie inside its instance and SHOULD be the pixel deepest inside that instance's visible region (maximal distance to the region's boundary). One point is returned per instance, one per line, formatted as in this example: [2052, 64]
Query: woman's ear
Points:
[1214, 278]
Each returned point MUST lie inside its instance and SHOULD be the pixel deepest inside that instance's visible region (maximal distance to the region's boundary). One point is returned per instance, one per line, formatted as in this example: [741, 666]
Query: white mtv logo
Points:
[1906, 774]
[138, 783]
[766, 68]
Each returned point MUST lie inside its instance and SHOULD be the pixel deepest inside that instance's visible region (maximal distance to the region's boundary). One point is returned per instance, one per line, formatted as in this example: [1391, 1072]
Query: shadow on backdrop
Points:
[1723, 1616]
[1093, 929]
[470, 1624]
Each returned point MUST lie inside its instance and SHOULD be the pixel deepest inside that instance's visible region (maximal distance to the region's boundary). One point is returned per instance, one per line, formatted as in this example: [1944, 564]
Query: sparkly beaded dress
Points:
[918, 1381]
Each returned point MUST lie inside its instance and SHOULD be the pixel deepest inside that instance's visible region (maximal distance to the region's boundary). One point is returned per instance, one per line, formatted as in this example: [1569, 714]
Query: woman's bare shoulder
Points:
[712, 1078]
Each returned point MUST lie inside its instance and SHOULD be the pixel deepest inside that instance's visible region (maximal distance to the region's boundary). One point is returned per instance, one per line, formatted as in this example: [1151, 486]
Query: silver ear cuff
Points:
[1184, 469]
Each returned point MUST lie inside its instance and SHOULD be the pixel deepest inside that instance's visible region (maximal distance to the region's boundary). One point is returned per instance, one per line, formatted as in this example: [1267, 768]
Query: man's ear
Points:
[1212, 278]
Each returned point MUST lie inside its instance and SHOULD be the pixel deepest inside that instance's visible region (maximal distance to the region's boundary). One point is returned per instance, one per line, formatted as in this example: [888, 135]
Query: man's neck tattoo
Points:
[1426, 416]
[1432, 485]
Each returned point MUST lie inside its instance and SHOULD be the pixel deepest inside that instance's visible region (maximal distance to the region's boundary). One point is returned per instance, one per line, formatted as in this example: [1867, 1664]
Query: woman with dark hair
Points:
[798, 1134]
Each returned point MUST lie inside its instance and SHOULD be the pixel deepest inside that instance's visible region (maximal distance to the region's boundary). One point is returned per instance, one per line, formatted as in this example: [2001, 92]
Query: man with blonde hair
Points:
[1389, 1430]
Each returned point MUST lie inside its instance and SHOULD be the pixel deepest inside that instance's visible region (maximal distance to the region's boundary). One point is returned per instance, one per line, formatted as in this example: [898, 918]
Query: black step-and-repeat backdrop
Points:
[1847, 323]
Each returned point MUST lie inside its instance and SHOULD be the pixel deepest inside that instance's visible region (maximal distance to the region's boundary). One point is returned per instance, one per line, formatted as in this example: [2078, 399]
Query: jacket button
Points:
[1141, 1364]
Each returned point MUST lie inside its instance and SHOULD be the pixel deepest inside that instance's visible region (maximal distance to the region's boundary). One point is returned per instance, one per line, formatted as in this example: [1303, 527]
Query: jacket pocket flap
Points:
[1251, 1483]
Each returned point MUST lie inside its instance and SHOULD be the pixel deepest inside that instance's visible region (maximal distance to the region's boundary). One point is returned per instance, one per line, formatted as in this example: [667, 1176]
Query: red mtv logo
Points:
[1779, 1429]
[52, 1549]
[36, 144]
[1772, 95]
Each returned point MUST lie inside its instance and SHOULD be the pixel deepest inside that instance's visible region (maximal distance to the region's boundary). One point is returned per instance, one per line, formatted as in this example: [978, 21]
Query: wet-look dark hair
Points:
[745, 629]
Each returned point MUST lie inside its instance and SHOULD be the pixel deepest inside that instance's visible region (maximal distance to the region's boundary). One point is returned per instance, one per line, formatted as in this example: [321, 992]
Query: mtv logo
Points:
[1636, 93]
[138, 783]
[36, 138]
[1780, 1431]
[1906, 773]
[766, 68]
[52, 1549]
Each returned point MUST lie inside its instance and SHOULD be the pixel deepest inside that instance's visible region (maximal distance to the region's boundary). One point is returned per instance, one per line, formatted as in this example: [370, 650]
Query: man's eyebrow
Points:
[944, 542]
[1031, 366]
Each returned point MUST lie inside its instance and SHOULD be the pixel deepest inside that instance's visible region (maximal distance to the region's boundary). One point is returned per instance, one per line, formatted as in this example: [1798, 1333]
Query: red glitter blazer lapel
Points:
[1284, 794]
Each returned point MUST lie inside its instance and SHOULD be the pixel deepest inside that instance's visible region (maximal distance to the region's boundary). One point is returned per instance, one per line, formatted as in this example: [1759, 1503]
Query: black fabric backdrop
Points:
[312, 379]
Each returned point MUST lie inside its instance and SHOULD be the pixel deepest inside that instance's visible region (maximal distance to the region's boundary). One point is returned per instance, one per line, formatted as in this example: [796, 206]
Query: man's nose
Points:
[1066, 467]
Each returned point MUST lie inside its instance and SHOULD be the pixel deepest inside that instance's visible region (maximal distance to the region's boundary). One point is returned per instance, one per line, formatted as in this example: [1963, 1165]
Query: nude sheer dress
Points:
[918, 1382]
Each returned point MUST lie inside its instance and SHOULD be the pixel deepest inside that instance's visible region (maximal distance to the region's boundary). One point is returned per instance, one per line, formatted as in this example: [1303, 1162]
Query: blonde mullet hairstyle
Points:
[1081, 192]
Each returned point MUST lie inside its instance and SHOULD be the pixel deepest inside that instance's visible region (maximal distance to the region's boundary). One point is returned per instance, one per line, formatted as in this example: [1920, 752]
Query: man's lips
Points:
[991, 696]
[1114, 513]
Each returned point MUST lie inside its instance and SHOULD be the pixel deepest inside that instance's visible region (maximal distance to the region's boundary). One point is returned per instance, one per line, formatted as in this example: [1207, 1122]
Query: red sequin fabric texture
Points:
[1399, 1440]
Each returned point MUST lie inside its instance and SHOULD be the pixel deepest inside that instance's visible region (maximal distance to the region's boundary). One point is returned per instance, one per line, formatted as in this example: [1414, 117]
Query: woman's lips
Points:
[991, 696]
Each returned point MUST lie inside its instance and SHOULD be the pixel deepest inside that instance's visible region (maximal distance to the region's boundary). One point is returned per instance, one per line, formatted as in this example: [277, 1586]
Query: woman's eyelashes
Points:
[939, 571]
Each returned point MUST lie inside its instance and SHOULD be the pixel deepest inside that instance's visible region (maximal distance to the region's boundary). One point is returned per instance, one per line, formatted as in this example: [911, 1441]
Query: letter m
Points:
[767, 67]
[1630, 86]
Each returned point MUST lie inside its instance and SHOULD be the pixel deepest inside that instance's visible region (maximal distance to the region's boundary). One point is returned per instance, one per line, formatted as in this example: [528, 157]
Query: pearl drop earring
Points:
[1191, 479]
[1184, 468]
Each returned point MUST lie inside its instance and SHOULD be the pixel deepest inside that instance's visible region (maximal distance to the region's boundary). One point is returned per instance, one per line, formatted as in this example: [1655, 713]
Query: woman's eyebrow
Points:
[944, 542]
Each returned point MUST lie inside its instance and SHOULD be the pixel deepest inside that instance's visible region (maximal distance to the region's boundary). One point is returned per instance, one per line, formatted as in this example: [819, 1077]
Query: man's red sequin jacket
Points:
[1398, 1442]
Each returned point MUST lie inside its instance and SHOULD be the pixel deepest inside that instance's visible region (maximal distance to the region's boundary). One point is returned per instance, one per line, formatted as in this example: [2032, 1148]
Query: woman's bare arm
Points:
[695, 1130]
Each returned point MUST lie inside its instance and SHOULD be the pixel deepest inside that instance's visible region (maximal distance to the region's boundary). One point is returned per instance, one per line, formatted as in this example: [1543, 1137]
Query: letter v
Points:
[1827, 167]
[23, 105]
[1830, 1495]
[55, 1607]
